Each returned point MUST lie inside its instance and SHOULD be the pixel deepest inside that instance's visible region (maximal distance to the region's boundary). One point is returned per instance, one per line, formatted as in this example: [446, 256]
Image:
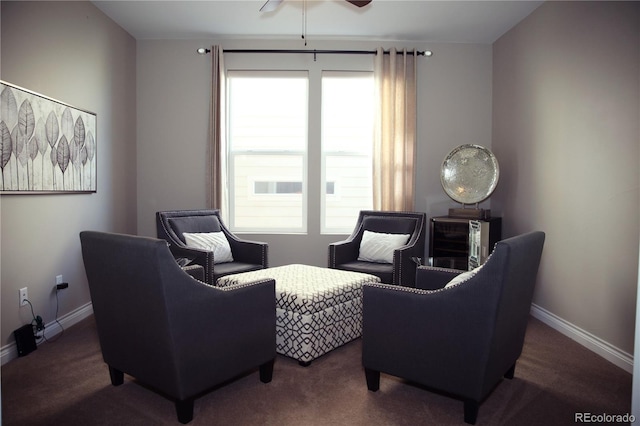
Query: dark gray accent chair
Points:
[170, 331]
[247, 255]
[462, 339]
[344, 254]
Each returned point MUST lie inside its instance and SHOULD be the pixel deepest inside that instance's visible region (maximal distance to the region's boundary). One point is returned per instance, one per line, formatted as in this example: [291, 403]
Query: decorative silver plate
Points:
[469, 174]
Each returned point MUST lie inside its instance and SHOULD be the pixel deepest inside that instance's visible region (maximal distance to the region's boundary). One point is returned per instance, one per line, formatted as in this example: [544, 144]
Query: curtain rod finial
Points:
[203, 51]
[427, 53]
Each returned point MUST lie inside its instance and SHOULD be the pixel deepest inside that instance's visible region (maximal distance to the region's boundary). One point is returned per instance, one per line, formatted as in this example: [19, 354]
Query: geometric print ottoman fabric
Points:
[305, 337]
[317, 309]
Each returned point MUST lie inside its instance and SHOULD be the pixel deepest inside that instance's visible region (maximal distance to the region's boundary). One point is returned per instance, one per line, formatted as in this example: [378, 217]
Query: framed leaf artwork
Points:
[46, 146]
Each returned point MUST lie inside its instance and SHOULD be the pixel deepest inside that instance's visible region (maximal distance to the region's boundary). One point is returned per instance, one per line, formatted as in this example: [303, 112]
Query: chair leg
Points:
[471, 411]
[184, 409]
[117, 376]
[510, 372]
[266, 371]
[373, 379]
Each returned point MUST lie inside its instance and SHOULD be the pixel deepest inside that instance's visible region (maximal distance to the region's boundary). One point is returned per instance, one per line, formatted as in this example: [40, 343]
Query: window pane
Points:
[275, 208]
[347, 148]
[267, 113]
[262, 187]
[351, 177]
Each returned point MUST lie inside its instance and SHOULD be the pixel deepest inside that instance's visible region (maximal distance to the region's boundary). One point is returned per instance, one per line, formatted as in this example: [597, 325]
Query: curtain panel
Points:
[216, 170]
[395, 130]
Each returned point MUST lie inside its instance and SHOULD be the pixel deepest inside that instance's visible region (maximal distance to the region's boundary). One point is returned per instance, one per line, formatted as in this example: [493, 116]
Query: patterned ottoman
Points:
[317, 309]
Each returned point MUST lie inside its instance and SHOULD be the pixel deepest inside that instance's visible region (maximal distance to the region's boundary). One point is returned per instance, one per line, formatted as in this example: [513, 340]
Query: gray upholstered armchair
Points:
[461, 339]
[401, 268]
[247, 255]
[168, 330]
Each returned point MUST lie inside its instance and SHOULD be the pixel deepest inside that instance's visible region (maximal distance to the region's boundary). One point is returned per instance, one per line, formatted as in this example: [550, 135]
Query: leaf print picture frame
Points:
[46, 146]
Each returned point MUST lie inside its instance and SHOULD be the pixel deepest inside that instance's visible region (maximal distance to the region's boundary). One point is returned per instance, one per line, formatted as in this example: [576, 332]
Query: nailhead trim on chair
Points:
[399, 288]
[265, 261]
[412, 289]
[435, 268]
[242, 285]
[440, 269]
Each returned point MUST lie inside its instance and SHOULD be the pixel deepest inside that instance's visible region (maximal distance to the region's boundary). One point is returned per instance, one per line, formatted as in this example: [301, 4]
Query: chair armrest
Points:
[239, 319]
[227, 312]
[342, 252]
[196, 271]
[246, 251]
[188, 252]
[402, 327]
[434, 278]
[404, 266]
[200, 257]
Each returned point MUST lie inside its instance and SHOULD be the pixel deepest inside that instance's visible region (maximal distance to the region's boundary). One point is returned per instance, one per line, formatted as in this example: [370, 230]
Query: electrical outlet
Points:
[59, 279]
[23, 296]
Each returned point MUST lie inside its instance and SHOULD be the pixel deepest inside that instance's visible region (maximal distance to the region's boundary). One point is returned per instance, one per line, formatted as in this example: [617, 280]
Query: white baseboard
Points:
[9, 352]
[609, 352]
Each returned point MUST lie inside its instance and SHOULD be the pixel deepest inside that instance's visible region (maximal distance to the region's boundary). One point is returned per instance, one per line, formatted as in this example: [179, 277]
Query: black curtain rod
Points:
[204, 51]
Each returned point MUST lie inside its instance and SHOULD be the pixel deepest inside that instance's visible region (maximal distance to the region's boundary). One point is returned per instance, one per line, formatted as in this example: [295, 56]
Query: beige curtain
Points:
[216, 182]
[395, 132]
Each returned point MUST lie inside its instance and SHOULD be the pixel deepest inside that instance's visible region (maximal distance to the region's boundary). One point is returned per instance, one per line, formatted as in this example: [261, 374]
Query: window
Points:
[347, 148]
[267, 113]
[299, 149]
[263, 187]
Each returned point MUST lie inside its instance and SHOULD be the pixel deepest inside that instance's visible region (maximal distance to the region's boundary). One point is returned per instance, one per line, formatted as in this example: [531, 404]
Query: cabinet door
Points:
[449, 243]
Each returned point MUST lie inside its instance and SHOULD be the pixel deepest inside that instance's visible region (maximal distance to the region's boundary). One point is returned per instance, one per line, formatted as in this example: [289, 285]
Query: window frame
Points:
[232, 154]
[260, 63]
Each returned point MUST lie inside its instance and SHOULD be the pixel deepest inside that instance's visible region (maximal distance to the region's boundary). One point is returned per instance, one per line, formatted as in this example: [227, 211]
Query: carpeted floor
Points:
[66, 383]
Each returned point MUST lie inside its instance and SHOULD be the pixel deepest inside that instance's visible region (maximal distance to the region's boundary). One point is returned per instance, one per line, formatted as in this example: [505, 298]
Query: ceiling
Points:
[386, 20]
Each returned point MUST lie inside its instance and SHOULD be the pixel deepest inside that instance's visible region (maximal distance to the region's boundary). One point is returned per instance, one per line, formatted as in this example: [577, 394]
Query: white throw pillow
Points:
[210, 241]
[378, 247]
[463, 277]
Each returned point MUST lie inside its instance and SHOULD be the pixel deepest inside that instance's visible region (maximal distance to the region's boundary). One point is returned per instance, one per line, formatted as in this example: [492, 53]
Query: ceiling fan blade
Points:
[359, 3]
[270, 5]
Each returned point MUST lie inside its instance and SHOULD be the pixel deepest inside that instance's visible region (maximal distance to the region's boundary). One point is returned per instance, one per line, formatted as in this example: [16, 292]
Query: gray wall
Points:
[565, 128]
[71, 52]
[454, 108]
